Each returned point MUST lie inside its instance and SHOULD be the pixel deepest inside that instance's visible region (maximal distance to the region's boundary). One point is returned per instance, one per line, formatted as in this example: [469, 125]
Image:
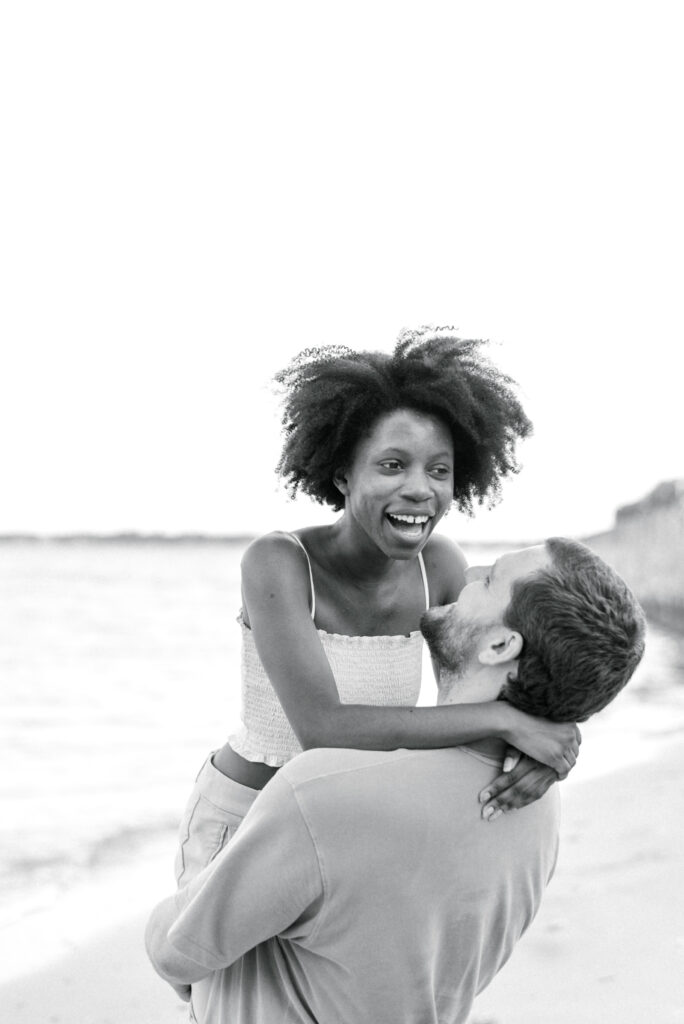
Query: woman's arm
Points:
[276, 594]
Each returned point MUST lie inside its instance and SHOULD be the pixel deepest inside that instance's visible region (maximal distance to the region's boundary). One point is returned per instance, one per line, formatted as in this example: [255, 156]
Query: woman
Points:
[330, 617]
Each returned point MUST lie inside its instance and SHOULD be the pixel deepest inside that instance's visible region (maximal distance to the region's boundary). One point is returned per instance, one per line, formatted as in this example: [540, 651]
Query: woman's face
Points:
[400, 482]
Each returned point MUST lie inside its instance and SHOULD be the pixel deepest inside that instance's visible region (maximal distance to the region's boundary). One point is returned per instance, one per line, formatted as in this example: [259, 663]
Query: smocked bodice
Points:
[381, 670]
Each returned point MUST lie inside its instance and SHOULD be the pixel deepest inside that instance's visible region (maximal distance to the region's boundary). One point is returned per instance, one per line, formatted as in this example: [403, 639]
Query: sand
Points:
[607, 946]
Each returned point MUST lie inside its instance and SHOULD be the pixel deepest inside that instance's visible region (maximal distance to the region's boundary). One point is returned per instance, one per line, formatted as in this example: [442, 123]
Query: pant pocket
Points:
[205, 829]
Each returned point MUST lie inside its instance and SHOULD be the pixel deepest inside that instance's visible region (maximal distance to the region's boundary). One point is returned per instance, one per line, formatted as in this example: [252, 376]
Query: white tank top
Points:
[376, 670]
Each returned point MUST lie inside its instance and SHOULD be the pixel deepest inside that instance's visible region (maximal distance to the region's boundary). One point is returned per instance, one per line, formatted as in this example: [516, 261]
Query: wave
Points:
[114, 847]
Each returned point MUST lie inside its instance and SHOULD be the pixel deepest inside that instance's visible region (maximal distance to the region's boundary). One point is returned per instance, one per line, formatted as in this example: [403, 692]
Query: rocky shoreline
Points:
[646, 546]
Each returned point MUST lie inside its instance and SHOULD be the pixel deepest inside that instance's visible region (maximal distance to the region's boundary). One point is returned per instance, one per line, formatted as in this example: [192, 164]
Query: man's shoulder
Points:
[393, 776]
[349, 798]
[454, 775]
[328, 762]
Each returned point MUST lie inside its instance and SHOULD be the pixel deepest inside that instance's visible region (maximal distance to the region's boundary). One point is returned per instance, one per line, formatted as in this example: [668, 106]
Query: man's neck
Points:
[476, 685]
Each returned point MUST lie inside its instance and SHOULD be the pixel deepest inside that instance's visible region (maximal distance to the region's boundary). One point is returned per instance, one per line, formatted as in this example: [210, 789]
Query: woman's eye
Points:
[391, 464]
[441, 471]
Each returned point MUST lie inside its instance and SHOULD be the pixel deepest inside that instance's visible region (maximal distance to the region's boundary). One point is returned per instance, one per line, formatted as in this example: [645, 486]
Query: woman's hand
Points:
[555, 744]
[524, 784]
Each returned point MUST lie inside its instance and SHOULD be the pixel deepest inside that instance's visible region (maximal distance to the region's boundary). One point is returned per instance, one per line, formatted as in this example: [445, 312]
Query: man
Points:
[365, 886]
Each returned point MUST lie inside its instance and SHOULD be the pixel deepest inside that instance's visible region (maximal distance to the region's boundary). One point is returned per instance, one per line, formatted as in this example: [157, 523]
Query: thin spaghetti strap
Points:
[425, 579]
[308, 562]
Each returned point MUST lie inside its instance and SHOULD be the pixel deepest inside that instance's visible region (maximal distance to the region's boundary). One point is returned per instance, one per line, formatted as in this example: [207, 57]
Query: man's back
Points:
[409, 902]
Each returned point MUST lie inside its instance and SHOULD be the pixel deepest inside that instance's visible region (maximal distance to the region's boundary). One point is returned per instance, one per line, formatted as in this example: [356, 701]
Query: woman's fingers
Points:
[570, 760]
[525, 784]
[506, 780]
[570, 754]
[511, 759]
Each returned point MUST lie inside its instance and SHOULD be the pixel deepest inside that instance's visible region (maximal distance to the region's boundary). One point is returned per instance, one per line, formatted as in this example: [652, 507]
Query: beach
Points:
[607, 945]
[99, 745]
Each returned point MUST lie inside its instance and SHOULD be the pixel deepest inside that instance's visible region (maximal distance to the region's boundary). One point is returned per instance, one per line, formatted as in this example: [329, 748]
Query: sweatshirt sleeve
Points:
[266, 882]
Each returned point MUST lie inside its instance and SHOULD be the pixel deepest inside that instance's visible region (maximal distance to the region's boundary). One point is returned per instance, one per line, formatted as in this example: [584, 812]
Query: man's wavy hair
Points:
[334, 395]
[583, 635]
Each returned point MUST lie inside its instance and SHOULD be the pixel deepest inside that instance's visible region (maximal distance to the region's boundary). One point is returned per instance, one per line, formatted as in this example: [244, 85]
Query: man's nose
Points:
[476, 572]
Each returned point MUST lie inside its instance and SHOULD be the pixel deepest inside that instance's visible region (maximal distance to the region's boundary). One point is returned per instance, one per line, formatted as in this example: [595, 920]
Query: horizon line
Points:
[181, 537]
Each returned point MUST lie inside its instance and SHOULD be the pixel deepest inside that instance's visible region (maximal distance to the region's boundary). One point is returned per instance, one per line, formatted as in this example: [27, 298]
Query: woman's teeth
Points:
[411, 525]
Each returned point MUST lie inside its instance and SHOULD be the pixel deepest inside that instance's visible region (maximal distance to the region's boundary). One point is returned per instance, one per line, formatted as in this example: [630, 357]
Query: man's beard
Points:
[452, 640]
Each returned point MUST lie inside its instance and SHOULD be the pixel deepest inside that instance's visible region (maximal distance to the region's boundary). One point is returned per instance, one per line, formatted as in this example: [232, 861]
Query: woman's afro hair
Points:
[333, 395]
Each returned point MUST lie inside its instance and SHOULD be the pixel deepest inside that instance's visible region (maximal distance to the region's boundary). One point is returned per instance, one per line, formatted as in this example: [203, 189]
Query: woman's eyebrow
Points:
[405, 451]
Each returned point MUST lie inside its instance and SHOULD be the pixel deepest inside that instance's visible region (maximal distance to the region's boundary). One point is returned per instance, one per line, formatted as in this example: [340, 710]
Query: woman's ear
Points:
[503, 647]
[340, 481]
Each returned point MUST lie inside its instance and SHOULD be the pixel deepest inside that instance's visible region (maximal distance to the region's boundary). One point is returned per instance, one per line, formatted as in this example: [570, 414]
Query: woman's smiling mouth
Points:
[410, 526]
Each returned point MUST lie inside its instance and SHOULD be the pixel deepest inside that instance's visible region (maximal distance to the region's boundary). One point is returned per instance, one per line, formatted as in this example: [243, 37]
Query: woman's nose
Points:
[417, 486]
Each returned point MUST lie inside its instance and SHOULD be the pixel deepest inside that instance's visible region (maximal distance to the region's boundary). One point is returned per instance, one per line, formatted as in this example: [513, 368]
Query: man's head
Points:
[551, 629]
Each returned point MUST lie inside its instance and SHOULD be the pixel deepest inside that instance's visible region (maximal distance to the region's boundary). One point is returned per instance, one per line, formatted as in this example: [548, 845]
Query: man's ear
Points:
[502, 647]
[340, 481]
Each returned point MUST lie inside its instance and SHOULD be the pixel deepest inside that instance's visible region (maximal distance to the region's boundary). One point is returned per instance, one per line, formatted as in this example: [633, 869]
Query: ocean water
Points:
[119, 668]
[120, 671]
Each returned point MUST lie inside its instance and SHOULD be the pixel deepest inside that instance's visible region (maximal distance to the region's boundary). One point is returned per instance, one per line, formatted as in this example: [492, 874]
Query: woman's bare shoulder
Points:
[275, 575]
[272, 550]
[445, 564]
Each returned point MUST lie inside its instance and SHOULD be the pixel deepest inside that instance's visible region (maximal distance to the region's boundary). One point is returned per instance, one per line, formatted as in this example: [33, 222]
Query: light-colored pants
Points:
[212, 816]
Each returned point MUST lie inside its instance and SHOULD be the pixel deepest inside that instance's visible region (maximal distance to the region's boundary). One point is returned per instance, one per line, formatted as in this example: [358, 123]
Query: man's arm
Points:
[266, 882]
[179, 970]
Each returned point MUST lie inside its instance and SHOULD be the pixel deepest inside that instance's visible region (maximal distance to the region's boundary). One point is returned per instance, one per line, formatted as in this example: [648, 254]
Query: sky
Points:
[193, 193]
